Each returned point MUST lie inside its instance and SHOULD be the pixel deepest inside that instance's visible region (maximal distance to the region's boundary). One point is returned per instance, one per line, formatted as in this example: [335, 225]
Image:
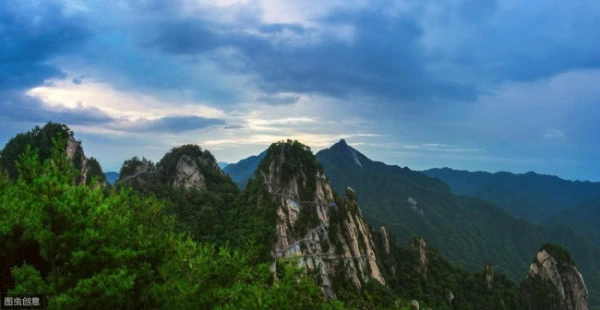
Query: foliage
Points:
[203, 213]
[37, 138]
[161, 247]
[94, 171]
[531, 196]
[84, 249]
[560, 254]
[538, 294]
[237, 281]
[130, 167]
[295, 160]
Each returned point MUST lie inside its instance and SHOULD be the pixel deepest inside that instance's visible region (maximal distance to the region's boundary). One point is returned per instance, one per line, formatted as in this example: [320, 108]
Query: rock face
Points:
[188, 175]
[76, 154]
[554, 282]
[328, 235]
[185, 167]
[386, 239]
[419, 245]
[489, 276]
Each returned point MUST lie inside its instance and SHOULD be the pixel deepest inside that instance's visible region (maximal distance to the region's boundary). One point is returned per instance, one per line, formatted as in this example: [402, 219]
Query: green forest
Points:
[87, 245]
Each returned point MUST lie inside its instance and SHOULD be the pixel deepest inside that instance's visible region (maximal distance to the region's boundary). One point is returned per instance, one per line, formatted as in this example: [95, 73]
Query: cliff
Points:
[326, 233]
[186, 167]
[554, 282]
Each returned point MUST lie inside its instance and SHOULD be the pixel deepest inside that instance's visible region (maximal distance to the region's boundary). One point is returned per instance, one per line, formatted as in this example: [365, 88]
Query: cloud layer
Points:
[474, 84]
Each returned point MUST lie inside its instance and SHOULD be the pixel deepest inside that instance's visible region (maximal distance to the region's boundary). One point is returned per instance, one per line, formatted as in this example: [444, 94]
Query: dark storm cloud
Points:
[484, 41]
[30, 34]
[384, 58]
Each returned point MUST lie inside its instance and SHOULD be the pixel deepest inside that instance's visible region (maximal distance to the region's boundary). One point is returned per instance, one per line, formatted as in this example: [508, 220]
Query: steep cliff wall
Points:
[327, 234]
[554, 282]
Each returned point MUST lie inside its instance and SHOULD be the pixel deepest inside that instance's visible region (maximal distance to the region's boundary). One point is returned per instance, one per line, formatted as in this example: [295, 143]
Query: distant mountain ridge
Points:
[584, 218]
[243, 170]
[531, 196]
[469, 231]
[289, 211]
[111, 177]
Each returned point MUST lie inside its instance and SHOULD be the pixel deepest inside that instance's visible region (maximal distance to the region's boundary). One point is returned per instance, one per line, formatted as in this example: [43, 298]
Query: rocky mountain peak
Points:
[343, 150]
[291, 167]
[554, 281]
[184, 167]
[327, 234]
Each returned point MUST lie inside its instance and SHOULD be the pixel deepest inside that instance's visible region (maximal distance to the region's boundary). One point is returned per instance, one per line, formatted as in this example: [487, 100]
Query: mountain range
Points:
[243, 170]
[531, 196]
[468, 230]
[369, 235]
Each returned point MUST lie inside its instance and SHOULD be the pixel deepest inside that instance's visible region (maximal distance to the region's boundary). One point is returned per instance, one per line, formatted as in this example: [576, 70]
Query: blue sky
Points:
[472, 84]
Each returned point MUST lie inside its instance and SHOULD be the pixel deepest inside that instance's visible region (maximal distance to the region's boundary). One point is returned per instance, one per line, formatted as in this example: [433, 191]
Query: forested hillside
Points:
[243, 170]
[469, 231]
[531, 196]
[179, 234]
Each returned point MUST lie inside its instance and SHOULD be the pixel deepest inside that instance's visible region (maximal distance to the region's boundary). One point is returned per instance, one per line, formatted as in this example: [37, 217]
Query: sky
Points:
[493, 85]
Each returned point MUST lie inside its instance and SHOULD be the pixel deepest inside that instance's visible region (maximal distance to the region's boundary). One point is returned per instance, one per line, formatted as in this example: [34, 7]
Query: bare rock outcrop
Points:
[76, 154]
[554, 282]
[489, 276]
[311, 225]
[419, 245]
[386, 239]
[188, 175]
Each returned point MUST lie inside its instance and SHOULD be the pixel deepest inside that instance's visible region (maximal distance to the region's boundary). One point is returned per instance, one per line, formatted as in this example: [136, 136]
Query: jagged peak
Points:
[291, 165]
[184, 166]
[554, 273]
[342, 149]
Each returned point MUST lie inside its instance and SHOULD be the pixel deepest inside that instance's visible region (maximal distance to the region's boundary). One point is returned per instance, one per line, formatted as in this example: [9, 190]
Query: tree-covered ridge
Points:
[530, 196]
[84, 248]
[583, 218]
[37, 138]
[134, 165]
[204, 213]
[40, 140]
[159, 246]
[168, 164]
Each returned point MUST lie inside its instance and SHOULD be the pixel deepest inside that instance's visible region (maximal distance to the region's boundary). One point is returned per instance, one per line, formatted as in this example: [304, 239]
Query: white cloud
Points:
[554, 134]
[125, 106]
